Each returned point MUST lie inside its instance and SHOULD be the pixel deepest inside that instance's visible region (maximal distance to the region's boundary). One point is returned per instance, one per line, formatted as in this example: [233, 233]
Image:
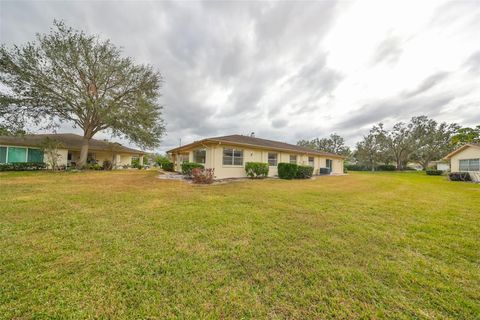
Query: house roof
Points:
[465, 146]
[249, 141]
[69, 140]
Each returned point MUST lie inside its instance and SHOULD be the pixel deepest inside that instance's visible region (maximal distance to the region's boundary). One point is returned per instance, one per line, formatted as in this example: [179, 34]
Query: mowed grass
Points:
[127, 245]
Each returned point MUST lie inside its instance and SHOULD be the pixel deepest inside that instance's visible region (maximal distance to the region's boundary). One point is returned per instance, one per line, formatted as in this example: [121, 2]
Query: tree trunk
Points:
[83, 153]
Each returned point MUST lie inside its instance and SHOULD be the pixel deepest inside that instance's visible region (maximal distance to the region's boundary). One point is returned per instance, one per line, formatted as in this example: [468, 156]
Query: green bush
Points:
[107, 165]
[23, 166]
[386, 167]
[304, 172]
[287, 170]
[360, 167]
[459, 176]
[168, 166]
[187, 167]
[434, 172]
[94, 166]
[256, 169]
[161, 160]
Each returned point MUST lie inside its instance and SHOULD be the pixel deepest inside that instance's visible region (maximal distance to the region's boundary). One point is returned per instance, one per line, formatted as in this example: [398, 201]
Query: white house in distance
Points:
[27, 148]
[465, 158]
[227, 155]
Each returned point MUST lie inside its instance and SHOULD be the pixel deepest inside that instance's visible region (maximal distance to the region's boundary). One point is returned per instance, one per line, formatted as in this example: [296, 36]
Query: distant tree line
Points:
[420, 140]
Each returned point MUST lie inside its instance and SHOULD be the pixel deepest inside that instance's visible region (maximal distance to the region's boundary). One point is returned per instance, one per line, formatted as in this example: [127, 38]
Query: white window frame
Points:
[274, 163]
[294, 161]
[232, 163]
[471, 164]
[312, 164]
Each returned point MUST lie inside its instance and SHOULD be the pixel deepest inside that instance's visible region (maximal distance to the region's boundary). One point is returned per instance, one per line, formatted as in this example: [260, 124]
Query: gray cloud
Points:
[388, 51]
[473, 63]
[396, 108]
[427, 84]
[237, 67]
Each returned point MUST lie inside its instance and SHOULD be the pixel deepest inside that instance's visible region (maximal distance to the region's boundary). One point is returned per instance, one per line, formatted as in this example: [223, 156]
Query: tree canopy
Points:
[69, 76]
[334, 144]
[466, 135]
[421, 140]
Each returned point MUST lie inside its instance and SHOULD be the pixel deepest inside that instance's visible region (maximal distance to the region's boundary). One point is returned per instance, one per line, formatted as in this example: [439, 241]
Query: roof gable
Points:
[465, 146]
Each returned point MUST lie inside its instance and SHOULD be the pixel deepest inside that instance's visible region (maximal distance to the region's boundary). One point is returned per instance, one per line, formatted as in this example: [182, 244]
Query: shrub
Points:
[161, 160]
[187, 167]
[23, 166]
[434, 172]
[202, 176]
[459, 176]
[386, 167]
[256, 169]
[135, 162]
[94, 166]
[107, 165]
[357, 167]
[168, 166]
[304, 172]
[287, 170]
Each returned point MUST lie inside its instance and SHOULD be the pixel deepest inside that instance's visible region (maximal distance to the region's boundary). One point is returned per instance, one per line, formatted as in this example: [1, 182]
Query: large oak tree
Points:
[69, 76]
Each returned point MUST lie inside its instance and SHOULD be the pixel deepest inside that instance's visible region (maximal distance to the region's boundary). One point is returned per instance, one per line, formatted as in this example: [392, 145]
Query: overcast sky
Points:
[286, 70]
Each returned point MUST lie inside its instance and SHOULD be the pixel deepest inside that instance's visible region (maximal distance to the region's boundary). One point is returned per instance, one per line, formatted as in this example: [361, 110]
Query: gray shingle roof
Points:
[69, 140]
[257, 142]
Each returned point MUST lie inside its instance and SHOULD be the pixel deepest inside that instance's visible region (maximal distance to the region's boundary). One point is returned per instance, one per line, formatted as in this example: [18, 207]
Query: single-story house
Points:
[465, 158]
[28, 148]
[227, 155]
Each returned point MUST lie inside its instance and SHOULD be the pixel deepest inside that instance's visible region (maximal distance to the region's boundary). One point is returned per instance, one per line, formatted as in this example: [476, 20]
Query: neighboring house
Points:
[465, 158]
[27, 148]
[441, 165]
[228, 155]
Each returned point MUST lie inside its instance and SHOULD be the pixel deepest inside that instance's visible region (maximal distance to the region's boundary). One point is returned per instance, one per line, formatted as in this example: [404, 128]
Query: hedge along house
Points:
[227, 155]
[28, 148]
[465, 158]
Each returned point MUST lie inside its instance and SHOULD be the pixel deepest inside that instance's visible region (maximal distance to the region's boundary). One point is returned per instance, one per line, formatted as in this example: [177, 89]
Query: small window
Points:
[232, 157]
[17, 154]
[35, 155]
[272, 159]
[470, 165]
[311, 161]
[293, 159]
[199, 155]
[3, 154]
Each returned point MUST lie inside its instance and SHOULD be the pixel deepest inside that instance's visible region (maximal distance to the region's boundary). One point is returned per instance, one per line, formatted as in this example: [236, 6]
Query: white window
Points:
[470, 165]
[232, 157]
[293, 159]
[311, 161]
[199, 155]
[272, 159]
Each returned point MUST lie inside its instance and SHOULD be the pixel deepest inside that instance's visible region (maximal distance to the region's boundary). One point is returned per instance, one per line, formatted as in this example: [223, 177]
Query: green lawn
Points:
[128, 245]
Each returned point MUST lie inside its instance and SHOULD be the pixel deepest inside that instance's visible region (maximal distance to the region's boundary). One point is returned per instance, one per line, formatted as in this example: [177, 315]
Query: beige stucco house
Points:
[228, 155]
[465, 158]
[27, 148]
